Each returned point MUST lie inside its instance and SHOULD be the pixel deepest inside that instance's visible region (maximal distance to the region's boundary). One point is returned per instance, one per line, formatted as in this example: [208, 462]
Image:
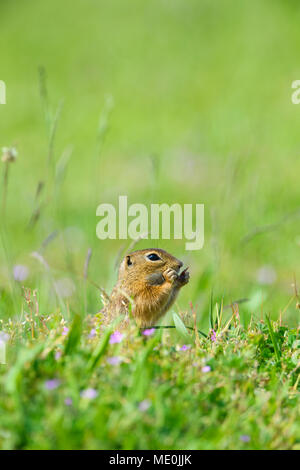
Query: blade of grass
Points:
[74, 335]
[273, 338]
[180, 327]
[211, 317]
[100, 350]
[102, 346]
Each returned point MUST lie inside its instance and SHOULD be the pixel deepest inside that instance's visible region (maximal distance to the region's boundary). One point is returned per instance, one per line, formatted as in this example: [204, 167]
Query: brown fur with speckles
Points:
[150, 287]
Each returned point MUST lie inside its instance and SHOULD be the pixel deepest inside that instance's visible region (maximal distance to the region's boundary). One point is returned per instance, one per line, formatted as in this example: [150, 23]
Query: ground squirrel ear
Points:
[128, 260]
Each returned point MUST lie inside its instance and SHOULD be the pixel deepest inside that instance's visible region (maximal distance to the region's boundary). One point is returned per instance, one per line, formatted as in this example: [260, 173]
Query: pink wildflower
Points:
[116, 337]
[149, 332]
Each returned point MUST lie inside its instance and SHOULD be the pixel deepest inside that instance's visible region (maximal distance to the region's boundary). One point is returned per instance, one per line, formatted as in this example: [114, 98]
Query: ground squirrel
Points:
[149, 281]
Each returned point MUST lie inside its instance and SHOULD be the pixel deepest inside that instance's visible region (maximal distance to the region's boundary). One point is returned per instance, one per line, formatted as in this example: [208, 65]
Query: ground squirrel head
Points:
[149, 280]
[147, 266]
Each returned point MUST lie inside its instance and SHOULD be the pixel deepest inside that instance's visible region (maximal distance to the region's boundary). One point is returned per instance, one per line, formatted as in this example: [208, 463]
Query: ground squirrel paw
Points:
[184, 277]
[170, 275]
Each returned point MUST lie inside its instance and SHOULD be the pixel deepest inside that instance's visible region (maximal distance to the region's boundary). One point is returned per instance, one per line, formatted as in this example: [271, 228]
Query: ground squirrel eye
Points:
[153, 257]
[128, 260]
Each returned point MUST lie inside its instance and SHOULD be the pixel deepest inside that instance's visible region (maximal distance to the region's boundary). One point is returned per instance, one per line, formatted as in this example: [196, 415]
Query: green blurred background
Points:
[163, 101]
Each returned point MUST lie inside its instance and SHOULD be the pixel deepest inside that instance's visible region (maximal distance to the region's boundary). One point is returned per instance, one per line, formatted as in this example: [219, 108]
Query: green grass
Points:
[235, 392]
[176, 102]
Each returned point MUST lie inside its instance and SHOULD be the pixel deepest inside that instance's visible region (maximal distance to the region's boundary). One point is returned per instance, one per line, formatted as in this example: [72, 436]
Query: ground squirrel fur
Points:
[149, 280]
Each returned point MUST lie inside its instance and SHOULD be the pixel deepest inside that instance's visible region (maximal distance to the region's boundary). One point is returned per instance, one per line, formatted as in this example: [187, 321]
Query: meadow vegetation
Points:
[176, 102]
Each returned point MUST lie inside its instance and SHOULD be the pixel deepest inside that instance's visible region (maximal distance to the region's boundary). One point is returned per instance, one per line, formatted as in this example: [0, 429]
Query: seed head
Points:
[9, 154]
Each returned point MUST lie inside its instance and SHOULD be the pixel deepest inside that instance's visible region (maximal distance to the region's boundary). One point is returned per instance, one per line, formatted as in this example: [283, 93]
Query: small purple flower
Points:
[266, 275]
[58, 355]
[116, 337]
[206, 369]
[52, 384]
[114, 360]
[68, 401]
[144, 405]
[20, 273]
[185, 347]
[245, 438]
[92, 333]
[65, 331]
[149, 332]
[4, 337]
[89, 393]
[213, 335]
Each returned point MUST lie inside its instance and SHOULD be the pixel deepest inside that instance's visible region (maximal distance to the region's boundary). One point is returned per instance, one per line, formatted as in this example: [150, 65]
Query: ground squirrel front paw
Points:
[184, 277]
[170, 275]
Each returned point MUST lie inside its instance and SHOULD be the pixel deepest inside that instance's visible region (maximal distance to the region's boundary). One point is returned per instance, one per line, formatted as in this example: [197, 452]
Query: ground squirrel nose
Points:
[180, 264]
